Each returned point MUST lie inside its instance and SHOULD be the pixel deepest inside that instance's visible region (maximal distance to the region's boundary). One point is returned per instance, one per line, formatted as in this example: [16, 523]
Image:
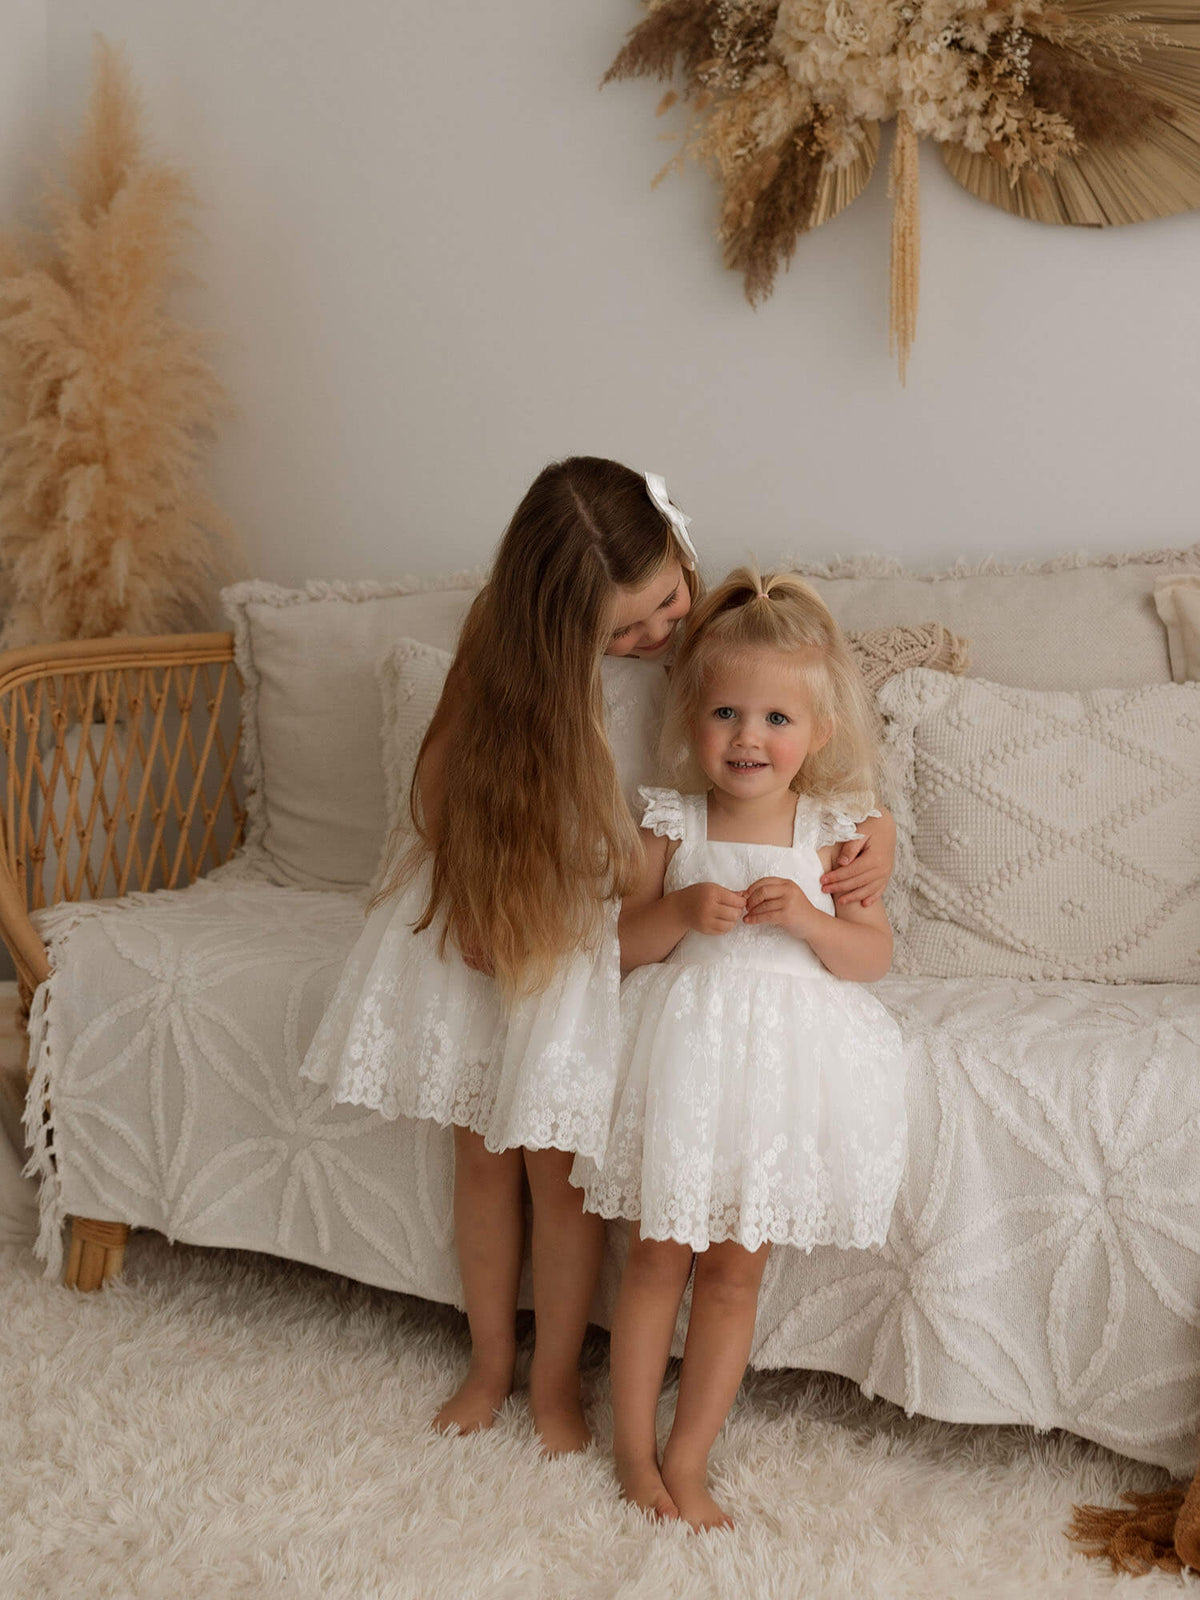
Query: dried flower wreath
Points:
[1059, 110]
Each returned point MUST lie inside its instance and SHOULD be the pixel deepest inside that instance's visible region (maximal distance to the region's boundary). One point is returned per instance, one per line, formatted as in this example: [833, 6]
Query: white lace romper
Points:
[760, 1098]
[414, 1034]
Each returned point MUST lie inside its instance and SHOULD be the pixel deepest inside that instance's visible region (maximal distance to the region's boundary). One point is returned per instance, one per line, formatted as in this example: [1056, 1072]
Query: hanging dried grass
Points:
[1103, 107]
[903, 187]
[761, 229]
[105, 400]
[677, 32]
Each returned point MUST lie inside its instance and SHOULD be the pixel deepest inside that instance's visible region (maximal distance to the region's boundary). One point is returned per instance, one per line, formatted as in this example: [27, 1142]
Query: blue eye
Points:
[777, 719]
[723, 713]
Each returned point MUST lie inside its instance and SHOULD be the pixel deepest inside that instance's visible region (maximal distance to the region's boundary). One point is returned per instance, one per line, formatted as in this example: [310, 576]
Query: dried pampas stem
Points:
[906, 241]
[106, 401]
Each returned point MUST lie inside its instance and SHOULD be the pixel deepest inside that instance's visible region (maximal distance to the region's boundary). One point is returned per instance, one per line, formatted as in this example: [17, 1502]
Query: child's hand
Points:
[781, 902]
[708, 908]
[863, 867]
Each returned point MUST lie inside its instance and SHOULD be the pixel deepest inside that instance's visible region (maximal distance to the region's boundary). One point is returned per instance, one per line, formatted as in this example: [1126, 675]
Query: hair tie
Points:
[657, 489]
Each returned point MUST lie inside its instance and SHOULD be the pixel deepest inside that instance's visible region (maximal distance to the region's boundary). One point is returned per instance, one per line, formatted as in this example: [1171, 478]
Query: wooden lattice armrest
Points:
[120, 773]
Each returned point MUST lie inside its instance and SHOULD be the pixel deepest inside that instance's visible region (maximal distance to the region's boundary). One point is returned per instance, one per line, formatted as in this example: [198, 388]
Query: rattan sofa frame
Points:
[120, 775]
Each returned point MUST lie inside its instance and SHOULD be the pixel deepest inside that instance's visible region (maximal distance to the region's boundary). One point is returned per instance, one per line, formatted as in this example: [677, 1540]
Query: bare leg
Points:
[489, 1237]
[720, 1332]
[567, 1245]
[656, 1274]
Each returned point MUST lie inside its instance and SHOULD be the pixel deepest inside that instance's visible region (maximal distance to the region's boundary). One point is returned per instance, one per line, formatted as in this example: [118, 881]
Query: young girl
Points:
[761, 1094]
[482, 992]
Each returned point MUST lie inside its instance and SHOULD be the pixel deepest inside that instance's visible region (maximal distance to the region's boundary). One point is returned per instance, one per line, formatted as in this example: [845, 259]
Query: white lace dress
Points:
[414, 1034]
[760, 1098]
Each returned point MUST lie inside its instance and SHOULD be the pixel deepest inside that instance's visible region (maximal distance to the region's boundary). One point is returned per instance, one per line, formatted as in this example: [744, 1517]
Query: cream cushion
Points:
[1178, 603]
[311, 715]
[1044, 834]
[1075, 622]
[411, 676]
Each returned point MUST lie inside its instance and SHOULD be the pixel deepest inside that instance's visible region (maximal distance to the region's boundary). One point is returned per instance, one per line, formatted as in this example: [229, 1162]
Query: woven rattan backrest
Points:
[120, 765]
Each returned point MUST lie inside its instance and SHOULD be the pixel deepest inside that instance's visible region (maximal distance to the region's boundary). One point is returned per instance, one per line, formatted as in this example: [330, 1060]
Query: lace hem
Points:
[804, 1224]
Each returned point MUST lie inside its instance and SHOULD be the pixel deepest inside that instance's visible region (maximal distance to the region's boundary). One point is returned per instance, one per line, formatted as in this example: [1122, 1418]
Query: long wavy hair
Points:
[534, 834]
[778, 611]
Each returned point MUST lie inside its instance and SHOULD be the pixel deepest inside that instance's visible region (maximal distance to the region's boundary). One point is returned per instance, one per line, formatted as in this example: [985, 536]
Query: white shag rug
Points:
[224, 1424]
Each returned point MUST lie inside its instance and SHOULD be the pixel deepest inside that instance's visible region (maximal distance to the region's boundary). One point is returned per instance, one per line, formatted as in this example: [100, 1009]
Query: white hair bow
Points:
[657, 487]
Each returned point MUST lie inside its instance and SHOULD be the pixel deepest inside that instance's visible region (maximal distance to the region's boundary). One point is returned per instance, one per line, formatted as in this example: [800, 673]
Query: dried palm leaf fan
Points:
[1077, 111]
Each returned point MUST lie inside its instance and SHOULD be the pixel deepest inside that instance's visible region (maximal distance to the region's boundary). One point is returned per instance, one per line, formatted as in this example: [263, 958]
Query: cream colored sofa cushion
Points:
[411, 676]
[311, 714]
[1178, 604]
[1045, 834]
[1076, 622]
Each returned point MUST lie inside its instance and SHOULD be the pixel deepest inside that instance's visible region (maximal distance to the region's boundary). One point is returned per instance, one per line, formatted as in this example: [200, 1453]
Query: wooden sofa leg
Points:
[97, 1252]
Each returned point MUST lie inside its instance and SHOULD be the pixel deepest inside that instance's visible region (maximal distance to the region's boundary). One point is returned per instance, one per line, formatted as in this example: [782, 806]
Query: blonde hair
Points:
[535, 833]
[779, 611]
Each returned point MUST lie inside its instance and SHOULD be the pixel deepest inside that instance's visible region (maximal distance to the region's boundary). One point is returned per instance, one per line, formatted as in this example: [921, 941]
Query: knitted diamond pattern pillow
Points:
[1042, 834]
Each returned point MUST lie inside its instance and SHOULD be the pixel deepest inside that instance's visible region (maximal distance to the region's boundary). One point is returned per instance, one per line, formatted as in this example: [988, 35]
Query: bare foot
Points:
[642, 1485]
[558, 1416]
[474, 1404]
[689, 1491]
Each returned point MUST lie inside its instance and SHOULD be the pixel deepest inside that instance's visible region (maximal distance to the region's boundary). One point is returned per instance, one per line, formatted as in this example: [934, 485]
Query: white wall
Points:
[25, 138]
[431, 251]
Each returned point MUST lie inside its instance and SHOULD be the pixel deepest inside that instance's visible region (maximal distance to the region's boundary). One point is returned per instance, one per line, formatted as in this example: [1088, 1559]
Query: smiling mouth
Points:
[746, 766]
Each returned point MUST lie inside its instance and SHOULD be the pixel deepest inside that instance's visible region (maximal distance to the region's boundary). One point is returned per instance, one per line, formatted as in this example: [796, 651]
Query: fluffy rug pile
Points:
[223, 1424]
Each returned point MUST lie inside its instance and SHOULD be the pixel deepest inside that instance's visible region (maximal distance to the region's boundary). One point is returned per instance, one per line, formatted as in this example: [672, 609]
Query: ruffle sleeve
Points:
[663, 813]
[836, 824]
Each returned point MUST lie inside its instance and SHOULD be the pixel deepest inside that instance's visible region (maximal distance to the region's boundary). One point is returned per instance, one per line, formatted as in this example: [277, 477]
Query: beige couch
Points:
[1044, 1260]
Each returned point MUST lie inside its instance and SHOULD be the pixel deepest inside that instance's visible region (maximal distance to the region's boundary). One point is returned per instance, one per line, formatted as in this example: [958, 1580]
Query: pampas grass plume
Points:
[105, 400]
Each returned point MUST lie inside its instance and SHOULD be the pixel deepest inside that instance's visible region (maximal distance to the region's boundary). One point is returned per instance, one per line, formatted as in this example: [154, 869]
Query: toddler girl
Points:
[760, 1098]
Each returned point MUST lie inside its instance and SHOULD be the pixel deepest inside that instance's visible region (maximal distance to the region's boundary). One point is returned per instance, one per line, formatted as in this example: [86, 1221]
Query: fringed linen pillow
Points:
[1072, 622]
[311, 713]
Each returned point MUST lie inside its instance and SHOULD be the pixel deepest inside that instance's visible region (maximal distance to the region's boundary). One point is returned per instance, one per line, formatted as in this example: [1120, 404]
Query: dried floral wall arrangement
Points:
[105, 401]
[1065, 111]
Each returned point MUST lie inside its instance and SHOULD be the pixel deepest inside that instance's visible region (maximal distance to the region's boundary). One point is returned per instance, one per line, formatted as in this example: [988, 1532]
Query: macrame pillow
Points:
[1042, 834]
[883, 652]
